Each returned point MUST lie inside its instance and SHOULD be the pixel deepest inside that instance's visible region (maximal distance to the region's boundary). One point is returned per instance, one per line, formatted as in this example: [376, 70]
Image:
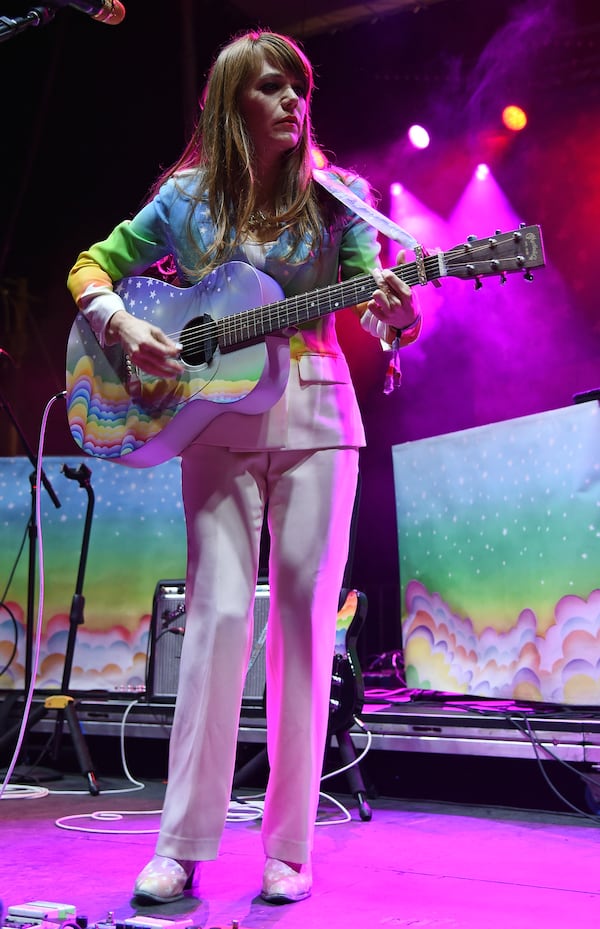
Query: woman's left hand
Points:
[393, 301]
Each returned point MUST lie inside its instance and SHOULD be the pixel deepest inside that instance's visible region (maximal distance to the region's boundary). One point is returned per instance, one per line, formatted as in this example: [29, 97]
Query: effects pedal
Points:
[39, 910]
[42, 914]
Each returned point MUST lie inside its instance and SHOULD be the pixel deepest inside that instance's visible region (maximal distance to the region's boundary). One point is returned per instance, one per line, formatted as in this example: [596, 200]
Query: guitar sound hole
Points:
[199, 340]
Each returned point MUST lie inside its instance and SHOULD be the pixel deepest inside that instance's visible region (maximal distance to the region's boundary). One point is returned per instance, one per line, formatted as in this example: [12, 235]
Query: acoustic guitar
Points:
[235, 351]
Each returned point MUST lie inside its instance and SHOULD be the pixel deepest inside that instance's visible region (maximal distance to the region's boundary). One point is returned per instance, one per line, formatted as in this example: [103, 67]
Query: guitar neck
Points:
[253, 324]
[499, 255]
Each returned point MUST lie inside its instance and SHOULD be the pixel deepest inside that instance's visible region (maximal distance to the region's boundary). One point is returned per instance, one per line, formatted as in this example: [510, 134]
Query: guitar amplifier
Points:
[167, 629]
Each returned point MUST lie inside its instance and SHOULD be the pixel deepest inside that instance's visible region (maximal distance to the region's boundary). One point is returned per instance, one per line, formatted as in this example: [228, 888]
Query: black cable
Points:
[537, 744]
[3, 606]
[16, 562]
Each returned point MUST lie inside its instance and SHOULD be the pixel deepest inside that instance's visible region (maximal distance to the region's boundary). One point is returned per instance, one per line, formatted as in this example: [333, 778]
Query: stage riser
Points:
[569, 739]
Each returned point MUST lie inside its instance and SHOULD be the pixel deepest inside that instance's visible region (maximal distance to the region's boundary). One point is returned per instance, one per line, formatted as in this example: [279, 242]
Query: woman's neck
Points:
[266, 174]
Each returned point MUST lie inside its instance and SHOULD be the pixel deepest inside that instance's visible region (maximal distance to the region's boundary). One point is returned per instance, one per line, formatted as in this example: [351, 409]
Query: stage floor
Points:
[479, 814]
[415, 863]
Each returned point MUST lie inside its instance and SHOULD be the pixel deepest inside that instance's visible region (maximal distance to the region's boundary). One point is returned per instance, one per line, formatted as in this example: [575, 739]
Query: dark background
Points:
[90, 113]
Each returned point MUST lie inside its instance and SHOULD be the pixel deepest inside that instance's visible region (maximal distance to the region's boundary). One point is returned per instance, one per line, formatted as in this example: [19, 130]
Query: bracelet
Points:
[400, 330]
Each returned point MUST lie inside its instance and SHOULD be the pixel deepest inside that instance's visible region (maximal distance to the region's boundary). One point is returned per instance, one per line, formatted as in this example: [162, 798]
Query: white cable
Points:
[38, 631]
[24, 792]
[346, 813]
[241, 811]
[137, 784]
[358, 758]
[346, 817]
[108, 816]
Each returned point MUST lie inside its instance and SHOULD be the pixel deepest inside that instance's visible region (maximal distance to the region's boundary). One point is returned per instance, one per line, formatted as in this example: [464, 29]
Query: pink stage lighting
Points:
[418, 136]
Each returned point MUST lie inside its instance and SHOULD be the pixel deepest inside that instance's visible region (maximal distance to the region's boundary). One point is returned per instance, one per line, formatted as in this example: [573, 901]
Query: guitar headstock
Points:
[500, 254]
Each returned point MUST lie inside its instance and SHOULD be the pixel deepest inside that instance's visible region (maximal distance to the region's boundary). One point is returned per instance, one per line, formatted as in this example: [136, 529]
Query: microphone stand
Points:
[37, 16]
[63, 703]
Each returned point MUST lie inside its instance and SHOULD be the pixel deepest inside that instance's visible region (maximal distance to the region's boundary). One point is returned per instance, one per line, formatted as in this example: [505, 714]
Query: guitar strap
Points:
[389, 228]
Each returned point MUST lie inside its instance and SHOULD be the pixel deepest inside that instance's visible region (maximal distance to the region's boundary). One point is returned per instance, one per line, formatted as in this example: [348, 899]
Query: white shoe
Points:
[164, 879]
[283, 884]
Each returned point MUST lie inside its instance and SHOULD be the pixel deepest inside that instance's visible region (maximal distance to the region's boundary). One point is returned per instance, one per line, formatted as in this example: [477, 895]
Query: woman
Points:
[243, 190]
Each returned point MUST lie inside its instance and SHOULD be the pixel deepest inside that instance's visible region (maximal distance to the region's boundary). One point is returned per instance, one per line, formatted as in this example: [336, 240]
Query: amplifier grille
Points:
[166, 638]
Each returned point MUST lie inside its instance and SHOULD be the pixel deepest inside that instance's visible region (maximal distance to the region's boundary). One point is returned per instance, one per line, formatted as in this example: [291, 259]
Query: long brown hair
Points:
[220, 150]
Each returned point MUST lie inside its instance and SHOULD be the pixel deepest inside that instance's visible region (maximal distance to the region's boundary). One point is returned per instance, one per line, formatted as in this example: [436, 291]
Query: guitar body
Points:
[347, 688]
[118, 412]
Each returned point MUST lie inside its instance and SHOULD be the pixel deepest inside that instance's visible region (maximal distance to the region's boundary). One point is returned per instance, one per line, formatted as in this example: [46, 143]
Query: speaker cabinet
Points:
[167, 630]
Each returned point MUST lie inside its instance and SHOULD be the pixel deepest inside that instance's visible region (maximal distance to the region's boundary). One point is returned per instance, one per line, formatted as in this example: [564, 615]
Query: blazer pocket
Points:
[323, 369]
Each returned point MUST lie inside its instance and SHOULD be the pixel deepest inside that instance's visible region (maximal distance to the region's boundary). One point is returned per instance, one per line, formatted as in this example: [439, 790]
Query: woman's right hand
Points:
[147, 345]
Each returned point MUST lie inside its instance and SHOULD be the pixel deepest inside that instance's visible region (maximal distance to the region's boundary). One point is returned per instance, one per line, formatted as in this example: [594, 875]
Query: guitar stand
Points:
[353, 772]
[259, 764]
[348, 691]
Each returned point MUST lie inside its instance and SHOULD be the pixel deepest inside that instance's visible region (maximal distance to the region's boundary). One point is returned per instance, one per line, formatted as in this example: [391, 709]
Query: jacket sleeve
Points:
[130, 248]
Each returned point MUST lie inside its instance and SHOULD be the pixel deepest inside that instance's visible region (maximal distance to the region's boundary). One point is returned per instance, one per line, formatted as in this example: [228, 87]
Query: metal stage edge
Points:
[444, 724]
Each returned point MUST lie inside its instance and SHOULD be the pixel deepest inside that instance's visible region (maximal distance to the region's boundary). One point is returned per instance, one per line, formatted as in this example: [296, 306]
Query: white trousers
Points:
[310, 496]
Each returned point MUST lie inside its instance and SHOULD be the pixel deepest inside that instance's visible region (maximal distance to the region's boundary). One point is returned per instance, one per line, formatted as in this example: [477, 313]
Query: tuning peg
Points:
[478, 284]
[498, 232]
[528, 276]
[495, 266]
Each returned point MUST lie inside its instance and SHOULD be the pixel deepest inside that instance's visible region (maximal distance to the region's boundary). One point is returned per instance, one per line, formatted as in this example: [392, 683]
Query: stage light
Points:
[514, 118]
[418, 136]
[396, 189]
[482, 171]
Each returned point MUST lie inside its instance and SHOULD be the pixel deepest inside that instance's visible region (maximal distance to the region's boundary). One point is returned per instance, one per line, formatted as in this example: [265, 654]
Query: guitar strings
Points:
[231, 327]
[230, 330]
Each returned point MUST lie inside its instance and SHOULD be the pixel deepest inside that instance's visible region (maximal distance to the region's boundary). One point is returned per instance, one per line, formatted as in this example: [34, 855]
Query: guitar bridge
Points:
[132, 378]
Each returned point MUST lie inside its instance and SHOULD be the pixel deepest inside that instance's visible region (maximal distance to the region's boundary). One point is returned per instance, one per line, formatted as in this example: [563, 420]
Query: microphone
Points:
[111, 12]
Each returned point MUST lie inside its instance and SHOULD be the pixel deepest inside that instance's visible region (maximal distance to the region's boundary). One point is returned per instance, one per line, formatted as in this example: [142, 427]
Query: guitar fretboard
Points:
[273, 317]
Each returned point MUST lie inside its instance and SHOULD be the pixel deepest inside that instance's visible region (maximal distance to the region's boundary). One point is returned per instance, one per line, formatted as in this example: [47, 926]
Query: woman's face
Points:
[273, 105]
